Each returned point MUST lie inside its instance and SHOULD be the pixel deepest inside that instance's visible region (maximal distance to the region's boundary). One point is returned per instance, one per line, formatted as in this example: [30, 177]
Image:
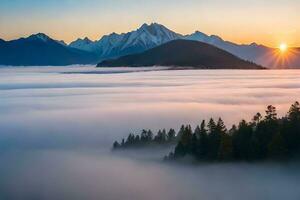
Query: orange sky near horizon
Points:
[264, 22]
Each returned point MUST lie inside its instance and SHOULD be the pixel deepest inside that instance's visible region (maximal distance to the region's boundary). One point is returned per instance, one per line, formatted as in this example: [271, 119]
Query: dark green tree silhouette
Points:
[242, 141]
[116, 145]
[197, 132]
[184, 145]
[263, 138]
[271, 114]
[171, 135]
[214, 138]
[180, 132]
[291, 130]
[226, 148]
[203, 142]
[257, 118]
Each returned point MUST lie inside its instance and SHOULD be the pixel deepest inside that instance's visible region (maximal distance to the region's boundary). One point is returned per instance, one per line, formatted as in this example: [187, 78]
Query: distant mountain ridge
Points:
[251, 52]
[41, 50]
[183, 53]
[83, 44]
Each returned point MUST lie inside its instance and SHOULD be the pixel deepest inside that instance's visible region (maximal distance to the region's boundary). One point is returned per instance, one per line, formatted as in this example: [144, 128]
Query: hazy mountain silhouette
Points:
[41, 50]
[252, 52]
[183, 53]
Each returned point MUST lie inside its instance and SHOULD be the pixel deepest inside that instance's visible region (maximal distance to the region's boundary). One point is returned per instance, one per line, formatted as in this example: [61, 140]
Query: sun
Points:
[283, 47]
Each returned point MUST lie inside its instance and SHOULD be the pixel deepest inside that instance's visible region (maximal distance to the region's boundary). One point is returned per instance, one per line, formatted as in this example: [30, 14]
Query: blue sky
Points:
[242, 21]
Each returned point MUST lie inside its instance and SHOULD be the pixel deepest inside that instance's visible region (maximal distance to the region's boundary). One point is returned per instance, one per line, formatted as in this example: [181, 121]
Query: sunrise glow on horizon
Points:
[283, 47]
[244, 21]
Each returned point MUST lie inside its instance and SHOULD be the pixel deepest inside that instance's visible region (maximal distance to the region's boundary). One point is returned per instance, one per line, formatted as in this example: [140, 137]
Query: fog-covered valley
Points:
[57, 125]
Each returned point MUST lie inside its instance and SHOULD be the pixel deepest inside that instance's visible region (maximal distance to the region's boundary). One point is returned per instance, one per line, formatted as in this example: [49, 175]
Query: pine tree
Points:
[214, 137]
[180, 133]
[158, 136]
[211, 126]
[194, 145]
[197, 132]
[242, 141]
[116, 145]
[137, 140]
[186, 136]
[171, 135]
[294, 112]
[161, 137]
[233, 130]
[164, 136]
[203, 147]
[271, 113]
[203, 128]
[144, 136]
[257, 118]
[221, 128]
[265, 131]
[291, 130]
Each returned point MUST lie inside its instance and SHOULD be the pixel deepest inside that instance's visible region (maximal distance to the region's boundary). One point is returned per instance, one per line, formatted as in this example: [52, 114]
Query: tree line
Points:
[263, 138]
[146, 138]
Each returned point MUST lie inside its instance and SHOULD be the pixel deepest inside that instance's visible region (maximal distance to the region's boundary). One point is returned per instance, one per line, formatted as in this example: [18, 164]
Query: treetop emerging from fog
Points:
[264, 138]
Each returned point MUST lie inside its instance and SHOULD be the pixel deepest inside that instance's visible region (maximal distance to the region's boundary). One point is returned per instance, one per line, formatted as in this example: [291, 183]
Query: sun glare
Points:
[283, 47]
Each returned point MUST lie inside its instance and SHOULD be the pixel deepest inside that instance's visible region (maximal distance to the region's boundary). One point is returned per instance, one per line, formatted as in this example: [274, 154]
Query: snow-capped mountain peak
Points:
[40, 36]
[86, 40]
[197, 35]
[83, 44]
[149, 36]
[158, 30]
[114, 45]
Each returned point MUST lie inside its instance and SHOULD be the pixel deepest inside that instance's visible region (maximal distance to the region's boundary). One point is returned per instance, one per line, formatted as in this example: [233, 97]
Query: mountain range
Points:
[116, 45]
[86, 51]
[41, 50]
[183, 53]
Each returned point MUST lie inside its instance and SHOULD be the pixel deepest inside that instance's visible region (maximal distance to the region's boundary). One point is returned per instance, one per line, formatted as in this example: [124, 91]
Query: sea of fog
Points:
[57, 125]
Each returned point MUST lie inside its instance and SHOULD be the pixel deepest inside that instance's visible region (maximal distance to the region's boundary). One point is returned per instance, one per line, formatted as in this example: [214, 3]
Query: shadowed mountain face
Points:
[183, 53]
[41, 50]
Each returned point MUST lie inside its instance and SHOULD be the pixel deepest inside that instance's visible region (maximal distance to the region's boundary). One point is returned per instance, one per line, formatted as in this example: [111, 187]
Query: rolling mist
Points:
[57, 126]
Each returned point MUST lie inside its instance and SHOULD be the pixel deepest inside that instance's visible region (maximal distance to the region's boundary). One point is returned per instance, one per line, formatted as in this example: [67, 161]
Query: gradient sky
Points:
[268, 22]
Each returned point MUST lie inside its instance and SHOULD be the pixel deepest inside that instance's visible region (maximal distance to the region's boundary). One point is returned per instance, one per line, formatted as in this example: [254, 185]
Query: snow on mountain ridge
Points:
[82, 44]
[114, 45]
[151, 35]
[40, 36]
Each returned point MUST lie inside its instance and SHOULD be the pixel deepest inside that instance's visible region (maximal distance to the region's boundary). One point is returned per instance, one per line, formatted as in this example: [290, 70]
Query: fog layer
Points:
[57, 126]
